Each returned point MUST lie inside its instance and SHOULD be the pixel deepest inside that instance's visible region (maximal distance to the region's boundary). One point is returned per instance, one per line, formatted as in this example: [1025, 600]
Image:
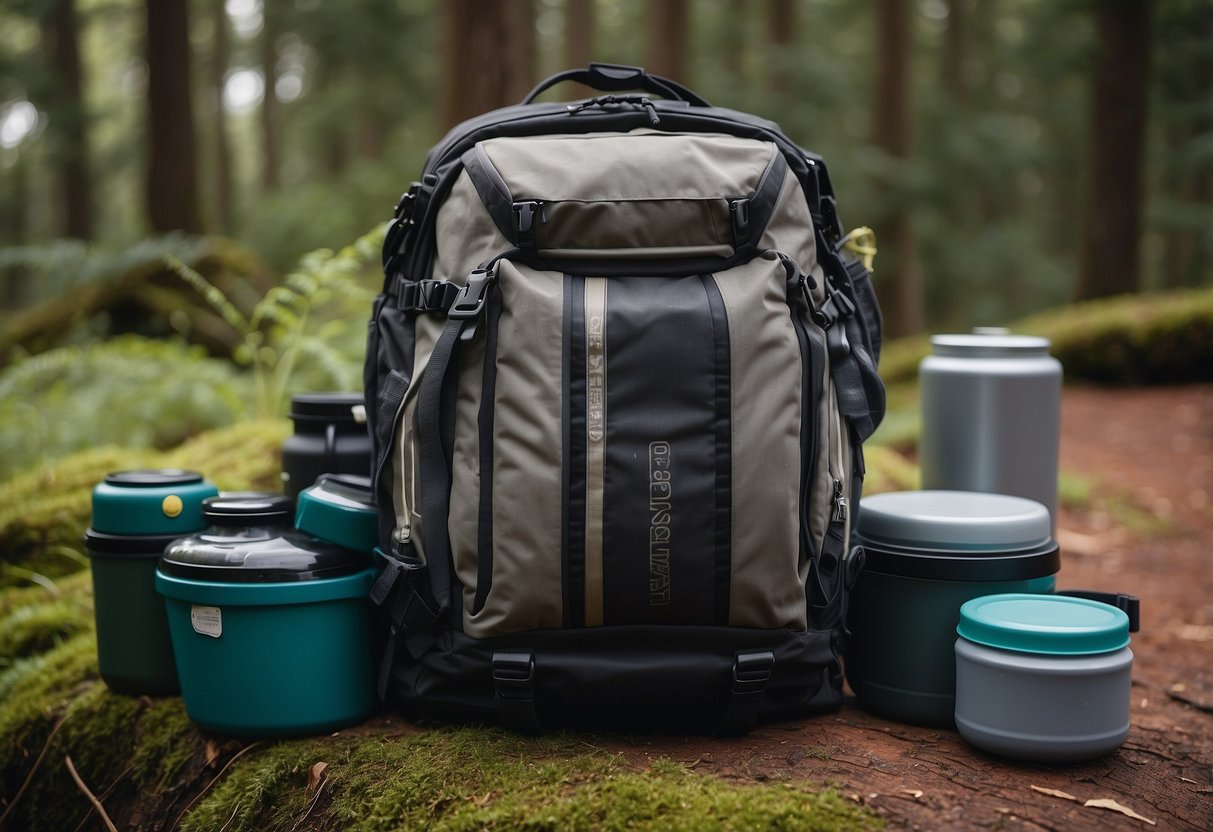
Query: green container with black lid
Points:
[135, 515]
[925, 554]
[270, 625]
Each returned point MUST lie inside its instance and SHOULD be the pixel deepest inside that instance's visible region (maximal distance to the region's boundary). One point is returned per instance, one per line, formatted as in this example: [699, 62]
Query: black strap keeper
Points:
[513, 683]
[751, 672]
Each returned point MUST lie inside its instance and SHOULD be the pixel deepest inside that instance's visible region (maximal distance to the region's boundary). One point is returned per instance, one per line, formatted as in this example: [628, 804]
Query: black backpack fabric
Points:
[618, 381]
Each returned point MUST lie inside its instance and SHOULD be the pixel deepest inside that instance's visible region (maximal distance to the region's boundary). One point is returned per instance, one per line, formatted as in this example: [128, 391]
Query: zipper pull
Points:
[654, 119]
[840, 504]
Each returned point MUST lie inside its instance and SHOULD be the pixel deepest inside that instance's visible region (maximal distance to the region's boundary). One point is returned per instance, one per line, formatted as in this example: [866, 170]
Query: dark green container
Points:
[271, 626]
[926, 554]
[135, 515]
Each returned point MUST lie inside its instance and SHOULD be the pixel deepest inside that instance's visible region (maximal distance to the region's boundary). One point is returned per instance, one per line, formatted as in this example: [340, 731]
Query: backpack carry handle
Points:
[618, 78]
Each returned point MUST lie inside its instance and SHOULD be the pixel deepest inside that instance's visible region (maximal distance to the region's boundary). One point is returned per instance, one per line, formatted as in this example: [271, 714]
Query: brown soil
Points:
[1147, 530]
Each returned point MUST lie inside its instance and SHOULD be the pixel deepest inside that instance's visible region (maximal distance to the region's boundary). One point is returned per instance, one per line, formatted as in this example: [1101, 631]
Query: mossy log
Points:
[141, 298]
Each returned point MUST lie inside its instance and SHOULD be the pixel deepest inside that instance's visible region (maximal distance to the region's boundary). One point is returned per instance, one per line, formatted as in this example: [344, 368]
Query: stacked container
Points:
[135, 515]
[270, 624]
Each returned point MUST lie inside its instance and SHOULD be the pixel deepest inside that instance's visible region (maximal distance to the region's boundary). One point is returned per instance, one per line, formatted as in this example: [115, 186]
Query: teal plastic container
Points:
[270, 626]
[135, 515]
[926, 553]
[1043, 678]
[340, 508]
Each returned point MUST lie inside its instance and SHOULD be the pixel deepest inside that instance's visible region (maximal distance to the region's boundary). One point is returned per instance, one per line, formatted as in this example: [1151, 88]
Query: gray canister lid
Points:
[989, 346]
[953, 521]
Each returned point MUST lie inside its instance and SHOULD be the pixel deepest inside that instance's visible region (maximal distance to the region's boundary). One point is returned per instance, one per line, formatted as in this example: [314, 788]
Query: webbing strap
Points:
[514, 689]
[435, 471]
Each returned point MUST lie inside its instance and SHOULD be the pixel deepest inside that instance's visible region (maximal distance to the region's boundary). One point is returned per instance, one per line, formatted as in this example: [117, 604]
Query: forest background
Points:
[1012, 155]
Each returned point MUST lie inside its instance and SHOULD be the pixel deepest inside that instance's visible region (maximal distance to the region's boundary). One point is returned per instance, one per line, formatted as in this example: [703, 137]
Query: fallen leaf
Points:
[212, 753]
[484, 799]
[315, 776]
[1054, 793]
[1108, 803]
[914, 793]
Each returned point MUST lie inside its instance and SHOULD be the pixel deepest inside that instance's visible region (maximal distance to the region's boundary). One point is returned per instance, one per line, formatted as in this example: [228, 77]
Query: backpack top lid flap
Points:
[631, 194]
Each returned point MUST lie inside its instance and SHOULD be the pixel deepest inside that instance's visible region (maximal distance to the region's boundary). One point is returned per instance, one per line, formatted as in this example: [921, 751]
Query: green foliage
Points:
[137, 391]
[44, 512]
[276, 334]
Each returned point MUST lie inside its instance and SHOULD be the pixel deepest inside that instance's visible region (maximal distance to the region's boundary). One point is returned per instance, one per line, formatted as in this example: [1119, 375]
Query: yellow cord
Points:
[862, 242]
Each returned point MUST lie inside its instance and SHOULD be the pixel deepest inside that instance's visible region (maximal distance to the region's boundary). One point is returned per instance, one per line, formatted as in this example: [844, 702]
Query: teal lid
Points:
[340, 508]
[161, 501]
[1055, 625]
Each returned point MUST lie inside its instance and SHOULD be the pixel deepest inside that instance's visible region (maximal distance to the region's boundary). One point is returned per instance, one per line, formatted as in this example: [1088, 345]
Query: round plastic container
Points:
[135, 515]
[331, 437]
[991, 415]
[926, 554]
[341, 509]
[270, 626]
[1044, 678]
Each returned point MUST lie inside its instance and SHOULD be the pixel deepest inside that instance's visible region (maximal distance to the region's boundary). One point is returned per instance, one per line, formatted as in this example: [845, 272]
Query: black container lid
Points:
[243, 509]
[153, 478]
[329, 407]
[242, 545]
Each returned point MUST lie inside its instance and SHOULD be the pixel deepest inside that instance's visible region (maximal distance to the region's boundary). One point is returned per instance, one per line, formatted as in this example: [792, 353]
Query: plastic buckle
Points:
[406, 203]
[470, 300]
[739, 212]
[513, 685]
[751, 672]
[524, 222]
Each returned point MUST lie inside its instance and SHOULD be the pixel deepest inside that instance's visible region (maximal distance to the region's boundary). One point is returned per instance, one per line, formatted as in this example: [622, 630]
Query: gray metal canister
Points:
[991, 414]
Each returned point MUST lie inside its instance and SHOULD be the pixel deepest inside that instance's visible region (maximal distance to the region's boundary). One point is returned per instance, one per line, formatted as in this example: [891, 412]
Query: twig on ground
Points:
[109, 790]
[215, 779]
[29, 778]
[92, 798]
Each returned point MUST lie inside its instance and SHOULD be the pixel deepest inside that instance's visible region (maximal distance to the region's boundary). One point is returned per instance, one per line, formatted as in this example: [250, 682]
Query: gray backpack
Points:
[617, 380]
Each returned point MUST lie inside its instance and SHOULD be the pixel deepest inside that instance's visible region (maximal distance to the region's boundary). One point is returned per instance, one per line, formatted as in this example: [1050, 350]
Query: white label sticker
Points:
[207, 621]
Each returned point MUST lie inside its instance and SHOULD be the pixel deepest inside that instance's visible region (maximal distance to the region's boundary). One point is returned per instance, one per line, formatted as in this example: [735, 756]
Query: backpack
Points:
[617, 383]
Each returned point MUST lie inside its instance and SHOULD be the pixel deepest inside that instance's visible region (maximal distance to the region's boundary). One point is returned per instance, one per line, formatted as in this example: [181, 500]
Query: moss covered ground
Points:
[152, 769]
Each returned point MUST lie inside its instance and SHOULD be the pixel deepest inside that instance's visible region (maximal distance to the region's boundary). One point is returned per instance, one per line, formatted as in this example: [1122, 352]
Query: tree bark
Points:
[68, 121]
[269, 99]
[172, 177]
[1111, 247]
[781, 33]
[667, 46]
[578, 33]
[893, 129]
[955, 53]
[223, 155]
[489, 56]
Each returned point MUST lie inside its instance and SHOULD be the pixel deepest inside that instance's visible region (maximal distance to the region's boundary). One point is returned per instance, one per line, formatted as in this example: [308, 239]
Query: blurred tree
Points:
[578, 35]
[1111, 244]
[892, 131]
[955, 52]
[781, 33]
[489, 56]
[172, 177]
[1183, 207]
[222, 150]
[269, 96]
[667, 45]
[67, 115]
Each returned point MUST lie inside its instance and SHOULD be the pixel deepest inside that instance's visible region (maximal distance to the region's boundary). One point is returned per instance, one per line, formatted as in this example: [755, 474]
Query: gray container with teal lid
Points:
[1043, 678]
[135, 515]
[925, 554]
[270, 624]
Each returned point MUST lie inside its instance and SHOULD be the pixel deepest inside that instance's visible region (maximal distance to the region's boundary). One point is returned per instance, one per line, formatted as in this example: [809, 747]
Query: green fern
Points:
[279, 332]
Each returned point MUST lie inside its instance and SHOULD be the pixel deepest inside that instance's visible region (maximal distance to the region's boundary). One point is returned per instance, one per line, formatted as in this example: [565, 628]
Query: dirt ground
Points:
[1148, 531]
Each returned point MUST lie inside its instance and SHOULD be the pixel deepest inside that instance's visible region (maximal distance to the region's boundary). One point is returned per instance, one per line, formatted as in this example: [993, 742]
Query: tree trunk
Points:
[893, 128]
[734, 57]
[955, 53]
[1112, 228]
[172, 177]
[667, 46]
[223, 155]
[489, 56]
[578, 34]
[269, 99]
[781, 33]
[68, 120]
